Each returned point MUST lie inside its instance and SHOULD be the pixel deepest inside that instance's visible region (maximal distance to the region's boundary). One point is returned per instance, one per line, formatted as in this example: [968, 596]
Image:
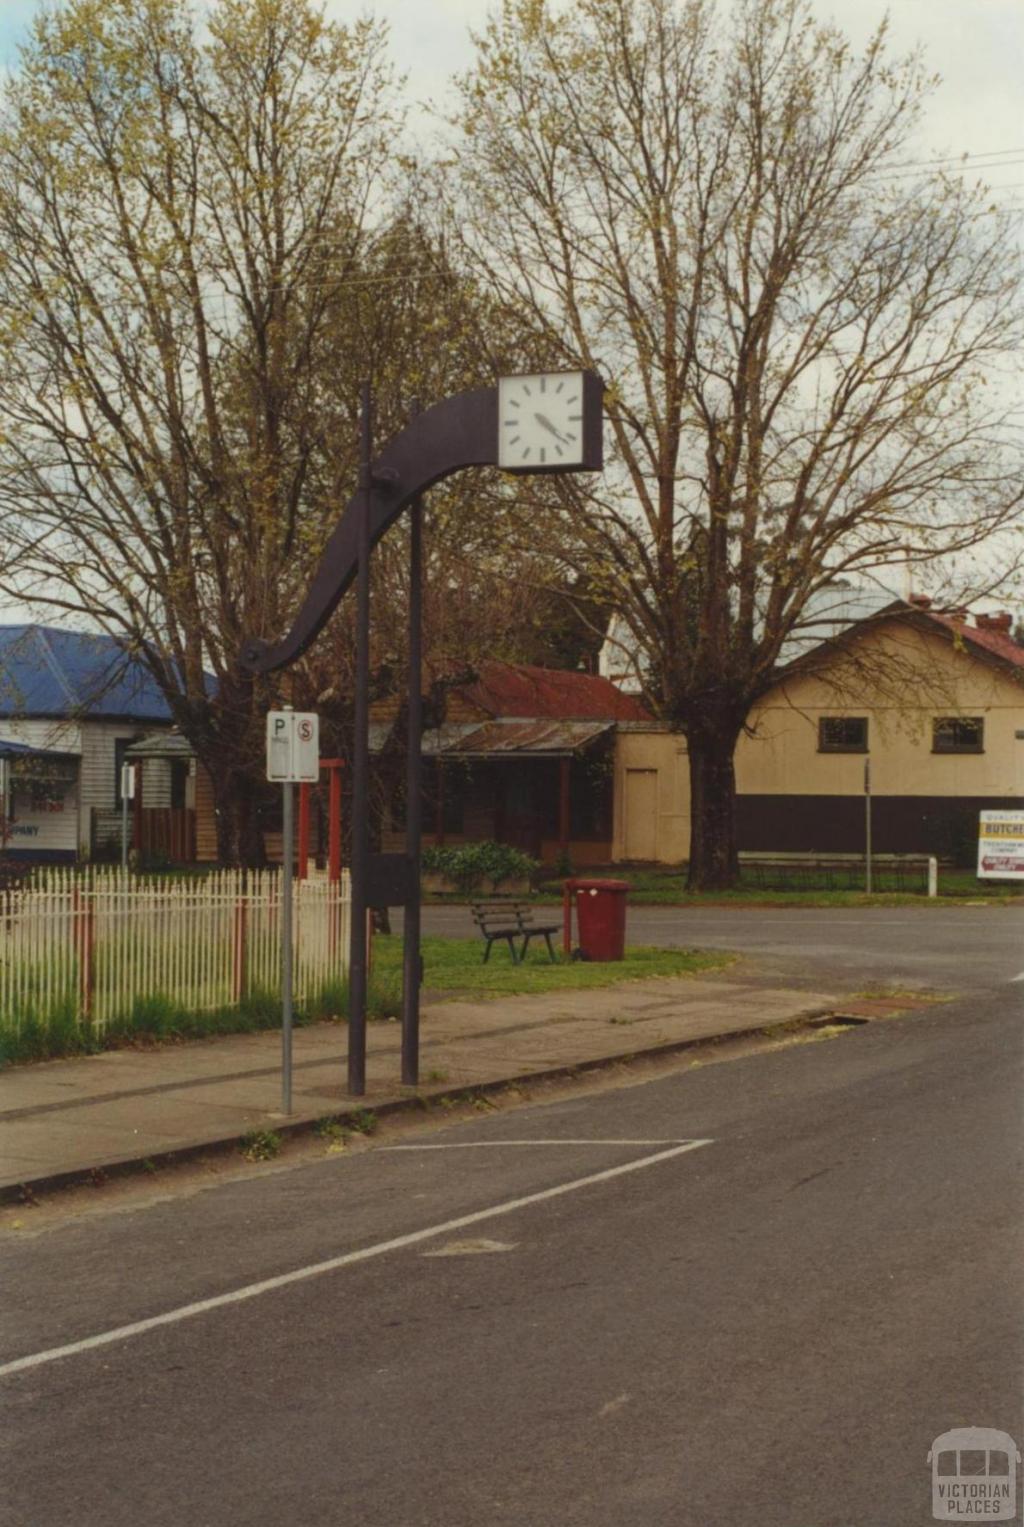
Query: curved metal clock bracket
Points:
[461, 431]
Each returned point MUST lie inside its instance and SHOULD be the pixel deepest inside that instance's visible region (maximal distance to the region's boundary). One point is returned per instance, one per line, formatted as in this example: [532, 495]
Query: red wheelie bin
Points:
[600, 917]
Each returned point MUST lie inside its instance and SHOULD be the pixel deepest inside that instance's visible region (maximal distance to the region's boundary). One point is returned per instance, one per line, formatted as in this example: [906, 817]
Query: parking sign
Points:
[293, 747]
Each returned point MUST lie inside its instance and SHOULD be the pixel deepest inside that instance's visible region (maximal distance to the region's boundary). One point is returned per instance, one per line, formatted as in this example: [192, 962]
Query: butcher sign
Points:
[293, 747]
[1001, 845]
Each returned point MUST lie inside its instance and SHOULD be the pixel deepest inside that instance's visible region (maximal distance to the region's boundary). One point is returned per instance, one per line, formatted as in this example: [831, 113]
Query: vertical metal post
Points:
[287, 843]
[413, 803]
[867, 825]
[124, 815]
[357, 974]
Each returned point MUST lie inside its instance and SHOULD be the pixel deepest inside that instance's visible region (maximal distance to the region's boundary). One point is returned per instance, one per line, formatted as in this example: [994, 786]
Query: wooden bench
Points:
[510, 920]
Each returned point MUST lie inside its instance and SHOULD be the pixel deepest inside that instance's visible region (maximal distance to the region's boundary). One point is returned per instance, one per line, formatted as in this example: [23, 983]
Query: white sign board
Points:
[293, 747]
[127, 782]
[1001, 845]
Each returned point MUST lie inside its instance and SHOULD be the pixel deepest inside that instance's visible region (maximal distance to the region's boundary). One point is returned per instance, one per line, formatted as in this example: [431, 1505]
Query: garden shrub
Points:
[471, 863]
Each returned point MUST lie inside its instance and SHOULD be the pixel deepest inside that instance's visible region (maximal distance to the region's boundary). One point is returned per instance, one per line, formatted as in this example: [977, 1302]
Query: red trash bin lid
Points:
[598, 885]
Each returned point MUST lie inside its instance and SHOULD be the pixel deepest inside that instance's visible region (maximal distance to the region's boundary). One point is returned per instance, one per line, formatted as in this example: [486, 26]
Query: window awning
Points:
[169, 745]
[14, 750]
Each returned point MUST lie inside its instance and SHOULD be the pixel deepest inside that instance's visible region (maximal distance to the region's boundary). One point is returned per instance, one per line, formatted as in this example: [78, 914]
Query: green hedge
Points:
[473, 862]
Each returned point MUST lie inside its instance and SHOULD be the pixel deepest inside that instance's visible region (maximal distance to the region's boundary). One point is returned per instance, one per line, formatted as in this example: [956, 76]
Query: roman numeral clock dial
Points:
[550, 422]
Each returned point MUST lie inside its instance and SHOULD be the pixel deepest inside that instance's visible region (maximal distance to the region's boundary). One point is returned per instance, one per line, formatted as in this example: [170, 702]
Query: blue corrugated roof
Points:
[47, 672]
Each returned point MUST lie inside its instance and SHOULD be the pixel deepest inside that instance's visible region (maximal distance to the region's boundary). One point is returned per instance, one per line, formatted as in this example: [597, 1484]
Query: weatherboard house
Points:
[71, 705]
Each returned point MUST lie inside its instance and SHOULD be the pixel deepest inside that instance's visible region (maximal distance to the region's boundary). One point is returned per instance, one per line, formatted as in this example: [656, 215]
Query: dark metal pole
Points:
[867, 826]
[287, 852]
[357, 972]
[413, 802]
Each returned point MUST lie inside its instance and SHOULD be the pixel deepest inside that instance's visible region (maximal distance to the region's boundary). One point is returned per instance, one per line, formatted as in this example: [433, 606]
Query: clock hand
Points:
[545, 423]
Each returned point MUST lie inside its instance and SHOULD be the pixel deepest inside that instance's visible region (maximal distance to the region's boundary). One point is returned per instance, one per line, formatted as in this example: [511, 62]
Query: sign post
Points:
[293, 757]
[127, 794]
[867, 825]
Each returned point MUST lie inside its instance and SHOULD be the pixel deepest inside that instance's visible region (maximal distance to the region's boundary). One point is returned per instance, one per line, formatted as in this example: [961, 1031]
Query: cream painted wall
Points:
[928, 676]
[936, 679]
[639, 745]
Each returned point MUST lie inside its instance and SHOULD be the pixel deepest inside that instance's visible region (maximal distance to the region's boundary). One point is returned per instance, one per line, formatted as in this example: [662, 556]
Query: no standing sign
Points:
[293, 747]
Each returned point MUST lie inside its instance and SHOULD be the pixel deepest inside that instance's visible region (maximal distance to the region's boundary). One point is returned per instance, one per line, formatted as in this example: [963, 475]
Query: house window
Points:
[843, 734]
[958, 734]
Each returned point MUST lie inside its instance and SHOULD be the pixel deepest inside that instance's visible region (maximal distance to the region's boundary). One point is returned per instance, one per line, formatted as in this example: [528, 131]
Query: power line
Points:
[957, 169]
[904, 164]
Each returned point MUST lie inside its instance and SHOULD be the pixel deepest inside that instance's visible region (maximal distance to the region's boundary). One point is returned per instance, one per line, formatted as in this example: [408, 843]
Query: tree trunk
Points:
[239, 835]
[713, 861]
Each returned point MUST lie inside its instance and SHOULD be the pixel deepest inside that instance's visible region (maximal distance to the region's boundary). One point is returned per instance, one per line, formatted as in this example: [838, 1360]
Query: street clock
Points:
[550, 422]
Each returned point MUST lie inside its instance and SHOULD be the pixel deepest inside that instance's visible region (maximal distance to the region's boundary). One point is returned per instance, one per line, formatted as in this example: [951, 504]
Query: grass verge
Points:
[667, 888]
[454, 966]
[48, 1035]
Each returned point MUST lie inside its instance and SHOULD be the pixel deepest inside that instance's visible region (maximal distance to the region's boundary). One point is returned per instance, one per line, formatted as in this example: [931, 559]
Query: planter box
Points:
[434, 884]
[518, 885]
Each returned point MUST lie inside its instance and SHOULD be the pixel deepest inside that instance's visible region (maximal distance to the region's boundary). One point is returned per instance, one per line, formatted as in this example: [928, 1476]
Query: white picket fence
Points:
[99, 940]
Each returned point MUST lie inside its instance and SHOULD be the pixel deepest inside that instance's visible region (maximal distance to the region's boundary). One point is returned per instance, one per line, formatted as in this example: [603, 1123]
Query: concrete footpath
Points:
[69, 1119]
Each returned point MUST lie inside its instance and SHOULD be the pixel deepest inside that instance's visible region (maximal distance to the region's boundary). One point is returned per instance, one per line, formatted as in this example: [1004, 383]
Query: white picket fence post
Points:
[95, 942]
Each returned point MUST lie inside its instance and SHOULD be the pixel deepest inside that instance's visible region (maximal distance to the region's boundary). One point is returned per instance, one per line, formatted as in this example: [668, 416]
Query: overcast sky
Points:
[977, 46]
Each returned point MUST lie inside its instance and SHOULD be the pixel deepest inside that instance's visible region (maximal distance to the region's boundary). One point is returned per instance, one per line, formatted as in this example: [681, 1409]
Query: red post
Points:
[563, 804]
[567, 917]
[303, 830]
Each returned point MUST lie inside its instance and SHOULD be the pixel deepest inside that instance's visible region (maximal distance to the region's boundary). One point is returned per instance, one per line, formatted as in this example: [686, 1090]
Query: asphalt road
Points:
[766, 1328]
[947, 948]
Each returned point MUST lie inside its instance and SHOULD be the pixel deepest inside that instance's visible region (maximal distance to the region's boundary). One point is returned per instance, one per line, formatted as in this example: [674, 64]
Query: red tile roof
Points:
[1000, 643]
[519, 689]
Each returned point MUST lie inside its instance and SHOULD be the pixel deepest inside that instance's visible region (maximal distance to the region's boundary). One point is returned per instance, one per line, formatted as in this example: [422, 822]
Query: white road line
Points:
[315, 1269]
[1018, 978]
[478, 1145]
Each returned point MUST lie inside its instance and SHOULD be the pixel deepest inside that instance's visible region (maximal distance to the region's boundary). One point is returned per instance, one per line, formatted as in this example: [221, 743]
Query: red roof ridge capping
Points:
[524, 690]
[992, 639]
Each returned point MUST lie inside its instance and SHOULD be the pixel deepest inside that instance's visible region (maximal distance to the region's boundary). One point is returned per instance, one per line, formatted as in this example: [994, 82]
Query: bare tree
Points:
[801, 327]
[177, 216]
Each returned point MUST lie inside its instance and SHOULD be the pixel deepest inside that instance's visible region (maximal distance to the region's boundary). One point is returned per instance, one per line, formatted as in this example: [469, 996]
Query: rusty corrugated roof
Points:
[536, 738]
[523, 690]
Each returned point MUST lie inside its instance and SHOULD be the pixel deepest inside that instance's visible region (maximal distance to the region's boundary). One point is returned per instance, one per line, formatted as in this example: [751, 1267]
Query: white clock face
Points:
[540, 421]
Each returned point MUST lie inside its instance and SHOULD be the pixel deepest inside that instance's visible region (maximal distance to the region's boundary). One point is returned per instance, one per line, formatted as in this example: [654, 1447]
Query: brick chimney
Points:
[921, 601]
[1001, 622]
